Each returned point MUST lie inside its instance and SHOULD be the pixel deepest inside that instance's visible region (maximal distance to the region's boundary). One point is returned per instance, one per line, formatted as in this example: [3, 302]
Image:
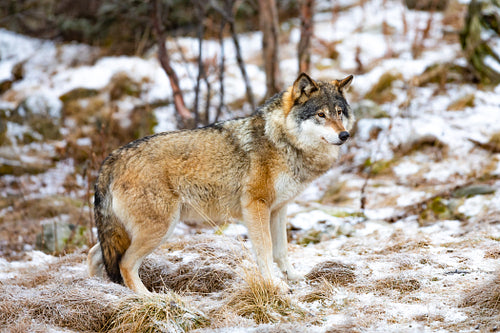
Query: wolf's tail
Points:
[113, 237]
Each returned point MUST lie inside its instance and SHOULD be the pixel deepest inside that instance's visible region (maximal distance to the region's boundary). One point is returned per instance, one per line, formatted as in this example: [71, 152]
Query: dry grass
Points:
[493, 253]
[262, 300]
[467, 101]
[50, 297]
[333, 272]
[335, 193]
[201, 276]
[60, 303]
[345, 328]
[400, 283]
[212, 266]
[324, 292]
[427, 144]
[155, 313]
[485, 297]
[47, 296]
[483, 303]
[405, 244]
[495, 141]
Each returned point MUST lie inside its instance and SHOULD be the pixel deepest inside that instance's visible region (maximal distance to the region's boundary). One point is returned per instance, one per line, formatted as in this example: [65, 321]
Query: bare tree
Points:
[200, 9]
[164, 59]
[268, 21]
[222, 66]
[228, 14]
[306, 32]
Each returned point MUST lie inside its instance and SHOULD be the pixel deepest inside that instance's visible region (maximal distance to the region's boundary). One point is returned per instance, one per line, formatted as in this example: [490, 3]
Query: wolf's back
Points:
[113, 237]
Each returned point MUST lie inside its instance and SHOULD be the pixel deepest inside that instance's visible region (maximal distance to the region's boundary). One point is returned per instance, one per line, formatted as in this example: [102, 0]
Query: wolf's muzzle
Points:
[344, 135]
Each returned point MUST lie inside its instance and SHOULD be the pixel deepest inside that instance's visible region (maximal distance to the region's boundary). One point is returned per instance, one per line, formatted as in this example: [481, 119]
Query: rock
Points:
[472, 190]
[78, 93]
[58, 236]
[368, 109]
[42, 114]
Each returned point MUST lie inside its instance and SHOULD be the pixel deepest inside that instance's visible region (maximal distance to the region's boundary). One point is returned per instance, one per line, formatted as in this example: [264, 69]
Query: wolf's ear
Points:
[303, 87]
[343, 84]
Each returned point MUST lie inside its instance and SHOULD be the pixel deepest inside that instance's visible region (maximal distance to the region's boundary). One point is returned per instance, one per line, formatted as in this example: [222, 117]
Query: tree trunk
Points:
[481, 29]
[268, 20]
[306, 32]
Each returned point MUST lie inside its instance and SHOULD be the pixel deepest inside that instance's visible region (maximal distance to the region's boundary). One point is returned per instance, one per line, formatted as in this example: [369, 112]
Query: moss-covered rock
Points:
[77, 93]
[472, 190]
[41, 114]
[439, 209]
[368, 109]
[60, 237]
[122, 85]
[381, 92]
[380, 167]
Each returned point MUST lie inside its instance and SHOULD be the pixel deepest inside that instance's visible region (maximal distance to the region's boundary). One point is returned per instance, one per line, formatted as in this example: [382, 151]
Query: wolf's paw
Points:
[282, 285]
[293, 275]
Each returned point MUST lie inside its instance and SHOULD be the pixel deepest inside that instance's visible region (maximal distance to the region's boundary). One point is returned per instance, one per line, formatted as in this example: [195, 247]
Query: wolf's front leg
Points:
[257, 218]
[280, 244]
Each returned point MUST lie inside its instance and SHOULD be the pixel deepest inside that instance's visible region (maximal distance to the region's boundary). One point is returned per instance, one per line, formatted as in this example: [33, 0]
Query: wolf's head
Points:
[317, 112]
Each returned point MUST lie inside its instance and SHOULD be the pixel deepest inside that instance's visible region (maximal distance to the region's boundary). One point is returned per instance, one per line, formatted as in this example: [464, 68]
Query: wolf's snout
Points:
[344, 135]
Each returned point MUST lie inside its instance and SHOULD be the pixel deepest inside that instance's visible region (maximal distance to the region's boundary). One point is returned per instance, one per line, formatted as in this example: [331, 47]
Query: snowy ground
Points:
[418, 247]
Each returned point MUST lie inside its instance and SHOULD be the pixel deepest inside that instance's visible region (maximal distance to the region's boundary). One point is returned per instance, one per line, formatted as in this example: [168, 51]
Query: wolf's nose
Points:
[344, 135]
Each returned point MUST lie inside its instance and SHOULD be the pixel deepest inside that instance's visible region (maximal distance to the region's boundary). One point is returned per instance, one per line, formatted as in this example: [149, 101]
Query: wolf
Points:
[246, 169]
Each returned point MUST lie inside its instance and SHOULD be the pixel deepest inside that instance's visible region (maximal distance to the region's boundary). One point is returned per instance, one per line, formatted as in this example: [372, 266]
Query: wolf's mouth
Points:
[332, 143]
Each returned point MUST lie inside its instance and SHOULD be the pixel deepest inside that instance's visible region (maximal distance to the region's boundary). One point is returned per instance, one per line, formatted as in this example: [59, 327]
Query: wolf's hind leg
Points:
[280, 244]
[147, 235]
[95, 261]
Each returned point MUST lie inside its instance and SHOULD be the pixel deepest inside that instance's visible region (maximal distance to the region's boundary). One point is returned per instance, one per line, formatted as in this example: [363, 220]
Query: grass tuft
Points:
[155, 313]
[201, 276]
[323, 292]
[334, 272]
[263, 301]
[400, 283]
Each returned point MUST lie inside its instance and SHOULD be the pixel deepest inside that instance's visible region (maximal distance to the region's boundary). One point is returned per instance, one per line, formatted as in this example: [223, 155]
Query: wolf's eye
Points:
[321, 115]
[339, 111]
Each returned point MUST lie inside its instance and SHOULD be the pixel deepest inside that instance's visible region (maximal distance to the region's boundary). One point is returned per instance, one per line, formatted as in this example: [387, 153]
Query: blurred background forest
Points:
[79, 79]
[81, 125]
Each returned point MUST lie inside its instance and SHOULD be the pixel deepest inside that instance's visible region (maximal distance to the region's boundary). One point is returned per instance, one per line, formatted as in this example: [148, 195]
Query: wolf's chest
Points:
[286, 188]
